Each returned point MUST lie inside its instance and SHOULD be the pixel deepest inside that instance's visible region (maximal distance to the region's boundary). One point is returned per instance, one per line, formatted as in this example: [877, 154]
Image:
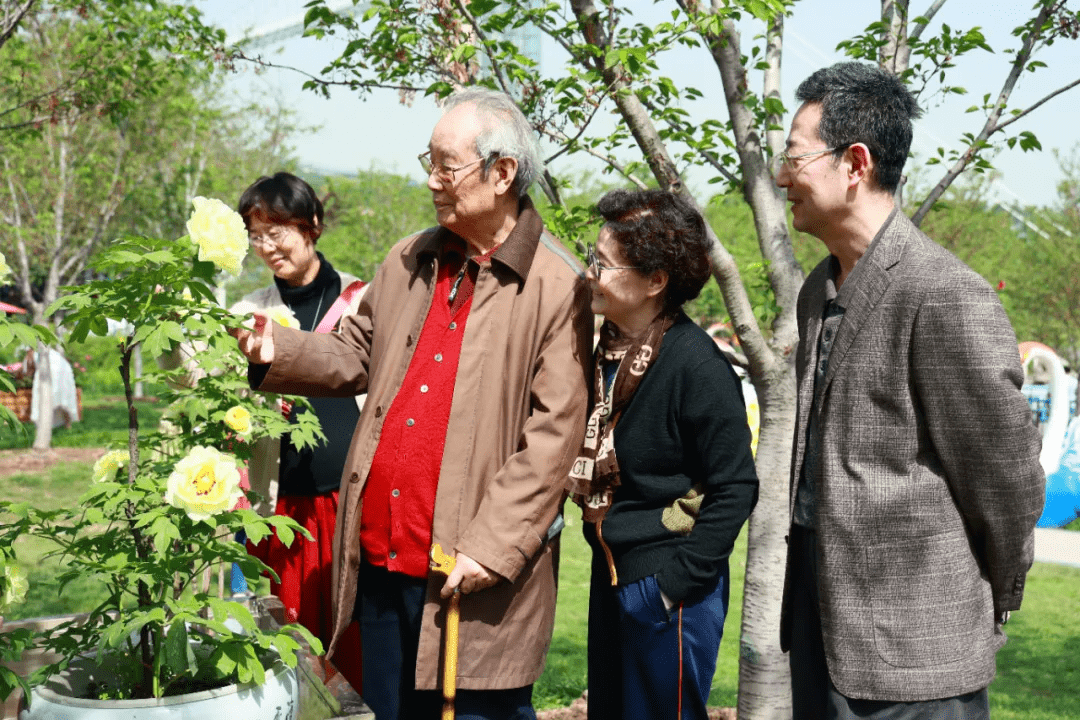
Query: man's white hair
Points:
[506, 133]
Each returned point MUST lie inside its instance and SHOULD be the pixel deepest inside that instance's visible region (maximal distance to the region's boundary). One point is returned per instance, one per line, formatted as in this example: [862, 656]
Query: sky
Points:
[358, 133]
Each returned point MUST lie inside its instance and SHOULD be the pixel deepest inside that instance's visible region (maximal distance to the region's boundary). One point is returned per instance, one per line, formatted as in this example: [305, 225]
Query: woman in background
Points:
[666, 476]
[284, 219]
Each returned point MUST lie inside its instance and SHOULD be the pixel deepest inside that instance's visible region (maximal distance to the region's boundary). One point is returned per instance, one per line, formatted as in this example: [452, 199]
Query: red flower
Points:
[1001, 285]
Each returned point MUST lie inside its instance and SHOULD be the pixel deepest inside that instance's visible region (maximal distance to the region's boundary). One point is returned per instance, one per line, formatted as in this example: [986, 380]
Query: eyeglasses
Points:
[276, 237]
[596, 266]
[444, 172]
[783, 159]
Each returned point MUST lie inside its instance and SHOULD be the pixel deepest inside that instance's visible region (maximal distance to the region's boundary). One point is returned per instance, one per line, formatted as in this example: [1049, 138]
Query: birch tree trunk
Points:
[42, 398]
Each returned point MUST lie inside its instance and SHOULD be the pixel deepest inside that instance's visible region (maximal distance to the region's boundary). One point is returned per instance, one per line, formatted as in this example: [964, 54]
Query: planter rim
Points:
[276, 670]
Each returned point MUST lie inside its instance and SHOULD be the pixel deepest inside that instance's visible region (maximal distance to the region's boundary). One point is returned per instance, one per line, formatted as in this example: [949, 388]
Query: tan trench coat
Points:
[516, 424]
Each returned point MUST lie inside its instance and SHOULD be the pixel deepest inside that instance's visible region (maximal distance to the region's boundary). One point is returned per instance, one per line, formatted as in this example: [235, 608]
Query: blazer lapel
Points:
[811, 306]
[868, 287]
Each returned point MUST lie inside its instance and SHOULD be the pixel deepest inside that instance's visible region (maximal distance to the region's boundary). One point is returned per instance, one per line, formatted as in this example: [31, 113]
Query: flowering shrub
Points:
[159, 514]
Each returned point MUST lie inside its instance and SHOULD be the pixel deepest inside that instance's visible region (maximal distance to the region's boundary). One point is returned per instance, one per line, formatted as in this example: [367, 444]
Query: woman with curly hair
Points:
[666, 476]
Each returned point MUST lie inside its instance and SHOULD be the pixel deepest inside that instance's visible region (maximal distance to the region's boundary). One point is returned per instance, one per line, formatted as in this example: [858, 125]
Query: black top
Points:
[685, 428]
[312, 471]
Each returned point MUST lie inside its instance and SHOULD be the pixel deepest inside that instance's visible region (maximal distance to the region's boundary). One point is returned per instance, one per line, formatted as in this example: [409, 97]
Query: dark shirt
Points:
[313, 471]
[831, 317]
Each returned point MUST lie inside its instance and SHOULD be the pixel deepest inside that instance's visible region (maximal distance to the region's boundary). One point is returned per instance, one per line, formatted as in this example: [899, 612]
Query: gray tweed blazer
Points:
[931, 483]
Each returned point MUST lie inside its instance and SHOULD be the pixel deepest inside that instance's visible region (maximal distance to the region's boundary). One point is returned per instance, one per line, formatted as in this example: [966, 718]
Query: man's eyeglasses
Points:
[275, 237]
[783, 159]
[444, 172]
[597, 267]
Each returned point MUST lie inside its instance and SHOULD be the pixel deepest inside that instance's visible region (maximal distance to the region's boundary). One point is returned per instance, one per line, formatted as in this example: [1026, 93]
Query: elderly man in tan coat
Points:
[471, 344]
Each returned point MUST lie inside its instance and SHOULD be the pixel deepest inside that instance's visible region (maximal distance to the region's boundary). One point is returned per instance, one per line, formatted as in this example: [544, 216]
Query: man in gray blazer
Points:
[916, 481]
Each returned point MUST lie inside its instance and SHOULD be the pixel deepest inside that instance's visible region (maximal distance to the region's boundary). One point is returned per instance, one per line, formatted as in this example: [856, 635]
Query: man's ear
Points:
[505, 170]
[861, 164]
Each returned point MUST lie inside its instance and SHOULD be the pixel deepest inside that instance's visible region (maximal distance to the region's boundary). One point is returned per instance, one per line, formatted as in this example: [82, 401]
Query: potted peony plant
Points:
[159, 516]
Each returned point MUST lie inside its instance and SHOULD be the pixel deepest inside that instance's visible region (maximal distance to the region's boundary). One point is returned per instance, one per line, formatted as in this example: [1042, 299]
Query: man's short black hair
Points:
[862, 103]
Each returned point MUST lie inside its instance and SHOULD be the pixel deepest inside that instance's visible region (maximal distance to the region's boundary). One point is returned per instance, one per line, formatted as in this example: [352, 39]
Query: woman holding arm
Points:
[666, 476]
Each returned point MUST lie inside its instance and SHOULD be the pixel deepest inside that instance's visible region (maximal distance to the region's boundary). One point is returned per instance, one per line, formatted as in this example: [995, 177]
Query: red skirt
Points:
[305, 569]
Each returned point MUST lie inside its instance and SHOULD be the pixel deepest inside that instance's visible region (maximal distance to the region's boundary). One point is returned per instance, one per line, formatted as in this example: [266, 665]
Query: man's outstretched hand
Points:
[256, 344]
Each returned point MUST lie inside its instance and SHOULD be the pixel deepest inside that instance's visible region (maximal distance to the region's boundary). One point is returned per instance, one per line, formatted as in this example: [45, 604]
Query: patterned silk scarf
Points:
[595, 474]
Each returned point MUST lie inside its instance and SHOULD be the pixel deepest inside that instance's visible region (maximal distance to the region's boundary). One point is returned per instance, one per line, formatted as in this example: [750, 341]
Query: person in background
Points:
[284, 219]
[666, 475]
[472, 345]
[915, 478]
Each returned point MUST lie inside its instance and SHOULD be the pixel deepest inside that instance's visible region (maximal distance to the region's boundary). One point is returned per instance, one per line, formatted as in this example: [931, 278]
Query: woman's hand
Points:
[257, 344]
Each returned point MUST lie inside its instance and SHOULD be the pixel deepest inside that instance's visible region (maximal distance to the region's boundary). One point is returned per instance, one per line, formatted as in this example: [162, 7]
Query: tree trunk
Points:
[42, 398]
[764, 680]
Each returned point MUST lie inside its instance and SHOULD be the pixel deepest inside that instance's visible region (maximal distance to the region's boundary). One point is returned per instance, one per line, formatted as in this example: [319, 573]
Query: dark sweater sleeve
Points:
[716, 438]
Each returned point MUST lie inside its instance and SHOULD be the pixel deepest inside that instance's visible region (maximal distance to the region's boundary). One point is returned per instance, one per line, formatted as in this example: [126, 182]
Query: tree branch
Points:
[991, 125]
[916, 32]
[561, 137]
[352, 84]
[707, 156]
[504, 82]
[580, 132]
[12, 22]
[1065, 88]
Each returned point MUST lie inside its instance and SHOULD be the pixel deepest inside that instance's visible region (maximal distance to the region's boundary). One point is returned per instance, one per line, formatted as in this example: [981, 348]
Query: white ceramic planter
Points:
[276, 699]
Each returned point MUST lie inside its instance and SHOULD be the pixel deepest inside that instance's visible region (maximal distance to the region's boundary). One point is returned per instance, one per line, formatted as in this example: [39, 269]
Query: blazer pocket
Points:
[929, 600]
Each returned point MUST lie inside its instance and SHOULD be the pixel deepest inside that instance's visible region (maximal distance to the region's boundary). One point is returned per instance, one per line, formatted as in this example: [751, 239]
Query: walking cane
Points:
[441, 562]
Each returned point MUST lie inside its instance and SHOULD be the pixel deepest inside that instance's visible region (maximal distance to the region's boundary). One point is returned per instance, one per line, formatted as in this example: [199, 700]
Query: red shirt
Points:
[399, 495]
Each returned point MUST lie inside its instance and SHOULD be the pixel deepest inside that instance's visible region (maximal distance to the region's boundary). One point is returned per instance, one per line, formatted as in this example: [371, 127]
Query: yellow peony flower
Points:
[13, 584]
[108, 464]
[239, 420]
[4, 269]
[220, 233]
[204, 483]
[282, 315]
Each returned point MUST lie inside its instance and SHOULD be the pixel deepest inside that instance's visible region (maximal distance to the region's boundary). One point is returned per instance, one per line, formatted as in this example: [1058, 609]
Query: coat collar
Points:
[867, 283]
[515, 253]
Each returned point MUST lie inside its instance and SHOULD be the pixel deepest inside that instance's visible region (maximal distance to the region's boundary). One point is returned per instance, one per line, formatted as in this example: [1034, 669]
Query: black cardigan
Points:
[684, 428]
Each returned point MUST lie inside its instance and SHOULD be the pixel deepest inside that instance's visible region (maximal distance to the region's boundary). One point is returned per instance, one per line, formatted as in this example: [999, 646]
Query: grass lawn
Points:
[1038, 670]
[104, 424]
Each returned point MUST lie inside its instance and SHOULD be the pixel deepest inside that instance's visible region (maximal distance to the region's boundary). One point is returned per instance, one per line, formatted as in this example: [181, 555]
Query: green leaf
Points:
[179, 656]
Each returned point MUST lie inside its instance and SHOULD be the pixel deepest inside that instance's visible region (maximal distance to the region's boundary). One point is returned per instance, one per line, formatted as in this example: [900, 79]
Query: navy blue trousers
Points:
[389, 607]
[634, 643]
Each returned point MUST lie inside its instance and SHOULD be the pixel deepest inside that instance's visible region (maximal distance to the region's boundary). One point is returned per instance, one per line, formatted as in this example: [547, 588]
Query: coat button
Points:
[409, 341]
[438, 357]
[410, 422]
[423, 388]
[355, 477]
[453, 326]
[393, 555]
[395, 492]
[378, 411]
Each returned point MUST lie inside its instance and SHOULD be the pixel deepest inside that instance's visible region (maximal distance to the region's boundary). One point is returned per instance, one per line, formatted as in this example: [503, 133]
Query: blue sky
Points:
[378, 131]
